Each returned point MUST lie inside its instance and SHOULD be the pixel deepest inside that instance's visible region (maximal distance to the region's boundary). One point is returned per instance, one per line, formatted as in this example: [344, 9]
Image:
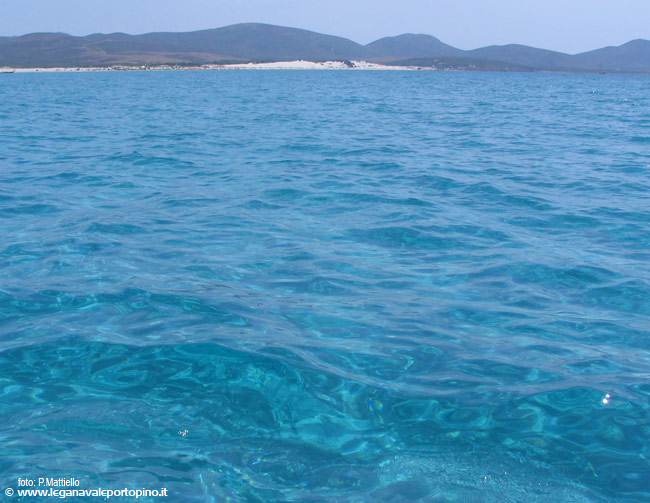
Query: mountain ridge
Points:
[259, 42]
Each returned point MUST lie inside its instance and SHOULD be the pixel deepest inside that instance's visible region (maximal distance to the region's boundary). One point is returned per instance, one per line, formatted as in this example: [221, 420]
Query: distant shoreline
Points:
[278, 65]
[286, 65]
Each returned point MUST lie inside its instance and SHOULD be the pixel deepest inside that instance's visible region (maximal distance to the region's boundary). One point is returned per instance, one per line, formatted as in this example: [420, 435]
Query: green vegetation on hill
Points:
[262, 42]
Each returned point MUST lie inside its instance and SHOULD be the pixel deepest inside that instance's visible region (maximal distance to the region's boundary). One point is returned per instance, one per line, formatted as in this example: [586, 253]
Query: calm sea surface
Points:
[282, 286]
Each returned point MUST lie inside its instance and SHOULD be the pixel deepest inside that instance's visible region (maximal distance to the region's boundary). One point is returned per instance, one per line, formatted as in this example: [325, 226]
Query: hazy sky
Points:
[565, 25]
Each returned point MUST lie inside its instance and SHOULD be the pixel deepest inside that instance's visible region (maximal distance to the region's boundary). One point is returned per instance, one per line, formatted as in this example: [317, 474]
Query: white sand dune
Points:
[309, 65]
[278, 65]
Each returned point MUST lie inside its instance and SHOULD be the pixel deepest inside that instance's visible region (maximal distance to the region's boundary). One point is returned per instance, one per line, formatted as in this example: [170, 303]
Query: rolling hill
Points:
[262, 42]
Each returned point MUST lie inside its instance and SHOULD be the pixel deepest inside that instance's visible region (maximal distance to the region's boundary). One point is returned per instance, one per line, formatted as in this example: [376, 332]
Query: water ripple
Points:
[343, 286]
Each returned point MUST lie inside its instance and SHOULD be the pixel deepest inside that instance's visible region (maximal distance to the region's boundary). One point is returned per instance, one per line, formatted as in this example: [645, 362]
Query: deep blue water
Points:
[327, 286]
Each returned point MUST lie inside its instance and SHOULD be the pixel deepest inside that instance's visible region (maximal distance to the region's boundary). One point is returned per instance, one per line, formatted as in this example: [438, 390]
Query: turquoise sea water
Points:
[313, 287]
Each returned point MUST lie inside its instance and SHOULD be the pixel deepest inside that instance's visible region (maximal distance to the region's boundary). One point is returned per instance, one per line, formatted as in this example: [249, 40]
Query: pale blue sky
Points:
[565, 25]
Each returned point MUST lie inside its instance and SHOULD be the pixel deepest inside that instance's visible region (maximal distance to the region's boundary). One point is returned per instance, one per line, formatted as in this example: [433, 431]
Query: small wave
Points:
[30, 209]
[115, 228]
[404, 237]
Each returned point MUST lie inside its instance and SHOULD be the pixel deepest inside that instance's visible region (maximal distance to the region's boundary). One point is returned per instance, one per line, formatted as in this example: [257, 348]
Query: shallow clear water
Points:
[338, 286]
